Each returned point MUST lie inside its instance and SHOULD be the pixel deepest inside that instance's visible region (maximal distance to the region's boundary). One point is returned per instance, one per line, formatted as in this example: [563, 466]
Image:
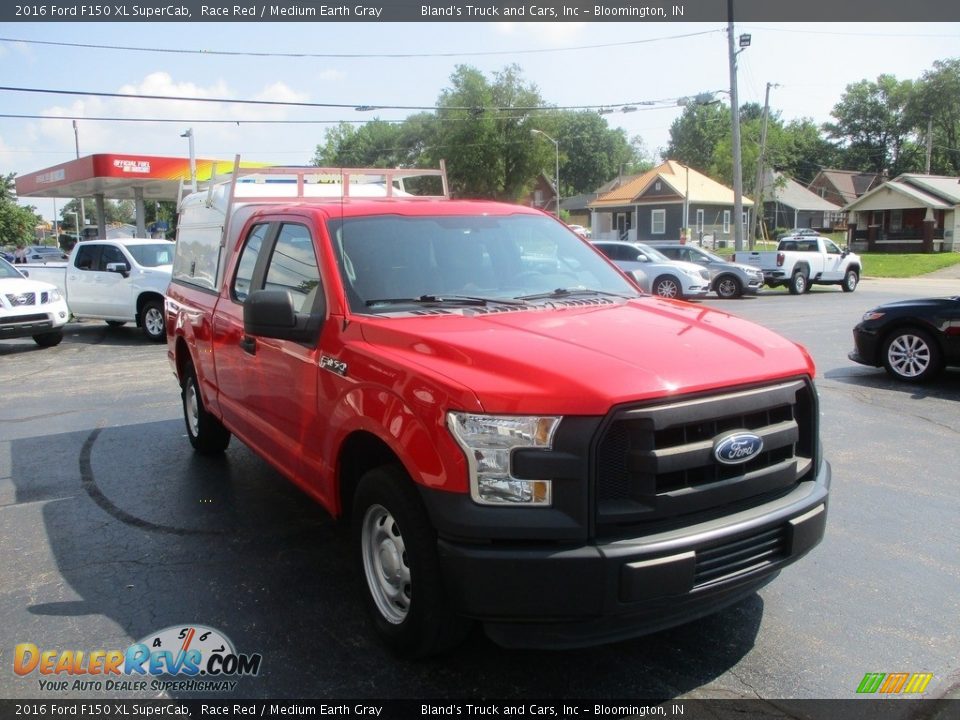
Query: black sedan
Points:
[913, 339]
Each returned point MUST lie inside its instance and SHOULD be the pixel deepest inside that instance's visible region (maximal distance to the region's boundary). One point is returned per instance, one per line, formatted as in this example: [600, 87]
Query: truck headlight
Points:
[488, 441]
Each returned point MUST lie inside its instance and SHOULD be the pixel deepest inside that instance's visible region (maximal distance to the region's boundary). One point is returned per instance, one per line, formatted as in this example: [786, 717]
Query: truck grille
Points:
[656, 463]
[22, 299]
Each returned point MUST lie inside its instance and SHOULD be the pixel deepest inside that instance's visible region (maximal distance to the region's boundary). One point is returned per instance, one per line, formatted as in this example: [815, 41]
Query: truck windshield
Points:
[152, 255]
[388, 258]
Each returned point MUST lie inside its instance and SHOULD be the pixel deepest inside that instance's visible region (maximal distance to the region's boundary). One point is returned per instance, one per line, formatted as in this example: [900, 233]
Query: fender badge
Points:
[333, 365]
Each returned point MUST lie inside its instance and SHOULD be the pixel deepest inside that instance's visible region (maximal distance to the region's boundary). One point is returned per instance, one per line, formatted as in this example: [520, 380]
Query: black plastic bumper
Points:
[537, 594]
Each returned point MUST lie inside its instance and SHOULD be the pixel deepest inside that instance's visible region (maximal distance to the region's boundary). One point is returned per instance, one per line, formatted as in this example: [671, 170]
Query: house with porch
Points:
[658, 204]
[911, 213]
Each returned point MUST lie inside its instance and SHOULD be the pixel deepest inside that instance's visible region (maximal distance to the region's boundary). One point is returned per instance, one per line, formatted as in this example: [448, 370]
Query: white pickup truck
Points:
[119, 281]
[804, 260]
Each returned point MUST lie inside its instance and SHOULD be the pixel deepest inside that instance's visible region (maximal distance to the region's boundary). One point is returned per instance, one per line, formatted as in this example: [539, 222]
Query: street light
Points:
[193, 159]
[556, 187]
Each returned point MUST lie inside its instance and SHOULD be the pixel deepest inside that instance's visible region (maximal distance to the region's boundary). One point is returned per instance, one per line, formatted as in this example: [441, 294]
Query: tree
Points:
[873, 126]
[936, 102]
[591, 153]
[694, 136]
[17, 223]
[376, 144]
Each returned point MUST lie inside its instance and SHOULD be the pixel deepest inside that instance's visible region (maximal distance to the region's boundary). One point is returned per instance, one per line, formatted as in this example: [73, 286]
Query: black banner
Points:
[479, 11]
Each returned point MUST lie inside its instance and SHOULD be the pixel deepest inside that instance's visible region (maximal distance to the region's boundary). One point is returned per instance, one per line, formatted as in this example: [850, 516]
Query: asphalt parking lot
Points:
[113, 530]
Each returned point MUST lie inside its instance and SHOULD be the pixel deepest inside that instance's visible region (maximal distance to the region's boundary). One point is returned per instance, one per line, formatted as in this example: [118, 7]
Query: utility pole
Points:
[737, 151]
[929, 142]
[76, 143]
[758, 194]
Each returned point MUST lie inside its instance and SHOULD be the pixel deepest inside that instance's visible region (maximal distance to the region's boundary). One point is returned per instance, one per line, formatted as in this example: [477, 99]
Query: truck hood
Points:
[583, 360]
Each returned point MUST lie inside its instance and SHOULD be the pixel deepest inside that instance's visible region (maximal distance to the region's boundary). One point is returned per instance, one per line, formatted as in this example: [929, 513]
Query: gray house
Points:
[660, 203]
[788, 204]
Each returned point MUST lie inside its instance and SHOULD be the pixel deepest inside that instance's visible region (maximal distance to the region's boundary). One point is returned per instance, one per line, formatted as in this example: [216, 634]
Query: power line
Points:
[630, 106]
[457, 53]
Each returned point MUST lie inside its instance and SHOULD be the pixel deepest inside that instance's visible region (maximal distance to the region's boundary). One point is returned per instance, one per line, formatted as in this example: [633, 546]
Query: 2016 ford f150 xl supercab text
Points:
[518, 435]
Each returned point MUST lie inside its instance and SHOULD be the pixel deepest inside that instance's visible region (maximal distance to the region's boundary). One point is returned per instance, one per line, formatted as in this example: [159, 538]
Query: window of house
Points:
[538, 197]
[658, 222]
[726, 221]
[896, 219]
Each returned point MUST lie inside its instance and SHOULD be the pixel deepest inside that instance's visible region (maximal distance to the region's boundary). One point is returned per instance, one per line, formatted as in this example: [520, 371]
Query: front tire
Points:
[152, 321]
[396, 551]
[729, 287]
[798, 283]
[910, 354]
[49, 339]
[207, 435]
[667, 287]
[850, 280]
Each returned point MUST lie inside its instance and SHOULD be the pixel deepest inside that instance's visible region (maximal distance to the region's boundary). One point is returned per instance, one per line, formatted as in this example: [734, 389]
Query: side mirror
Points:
[119, 267]
[271, 314]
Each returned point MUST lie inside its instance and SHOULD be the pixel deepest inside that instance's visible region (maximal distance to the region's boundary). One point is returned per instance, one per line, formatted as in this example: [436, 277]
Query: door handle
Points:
[248, 345]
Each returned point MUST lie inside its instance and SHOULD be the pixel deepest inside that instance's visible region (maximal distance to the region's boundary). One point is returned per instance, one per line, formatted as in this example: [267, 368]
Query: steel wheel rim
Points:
[909, 355]
[851, 281]
[385, 564]
[191, 406]
[801, 282]
[153, 321]
[667, 289]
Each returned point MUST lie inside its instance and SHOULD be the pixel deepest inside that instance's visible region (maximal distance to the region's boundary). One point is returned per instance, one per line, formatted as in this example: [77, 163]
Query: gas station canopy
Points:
[119, 177]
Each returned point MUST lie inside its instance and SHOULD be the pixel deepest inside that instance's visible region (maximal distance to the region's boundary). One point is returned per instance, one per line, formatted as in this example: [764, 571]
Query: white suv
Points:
[29, 308]
[655, 272]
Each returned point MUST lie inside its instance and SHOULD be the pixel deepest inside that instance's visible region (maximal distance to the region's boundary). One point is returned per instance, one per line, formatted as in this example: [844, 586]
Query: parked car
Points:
[803, 260]
[580, 230]
[119, 281]
[913, 339]
[727, 279]
[660, 275]
[29, 308]
[519, 435]
[45, 254]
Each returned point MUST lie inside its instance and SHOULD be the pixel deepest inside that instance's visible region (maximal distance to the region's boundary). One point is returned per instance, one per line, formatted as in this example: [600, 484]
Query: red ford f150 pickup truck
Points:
[518, 435]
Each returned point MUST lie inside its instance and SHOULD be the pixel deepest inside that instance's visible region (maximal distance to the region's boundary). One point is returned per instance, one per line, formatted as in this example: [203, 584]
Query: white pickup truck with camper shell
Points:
[119, 281]
[804, 260]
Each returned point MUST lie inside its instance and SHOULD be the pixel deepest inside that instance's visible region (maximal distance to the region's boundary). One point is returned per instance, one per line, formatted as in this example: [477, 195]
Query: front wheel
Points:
[151, 321]
[207, 434]
[668, 287]
[396, 550]
[910, 354]
[729, 287]
[49, 339]
[850, 280]
[798, 283]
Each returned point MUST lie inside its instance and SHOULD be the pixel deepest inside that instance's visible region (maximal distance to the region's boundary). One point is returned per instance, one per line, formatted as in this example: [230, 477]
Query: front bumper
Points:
[866, 345]
[50, 318]
[537, 594]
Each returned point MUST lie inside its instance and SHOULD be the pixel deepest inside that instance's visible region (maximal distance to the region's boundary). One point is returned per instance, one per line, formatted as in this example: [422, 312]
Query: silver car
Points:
[655, 272]
[727, 279]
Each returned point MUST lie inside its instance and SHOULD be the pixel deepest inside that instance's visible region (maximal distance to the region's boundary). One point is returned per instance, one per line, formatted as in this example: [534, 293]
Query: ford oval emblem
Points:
[737, 448]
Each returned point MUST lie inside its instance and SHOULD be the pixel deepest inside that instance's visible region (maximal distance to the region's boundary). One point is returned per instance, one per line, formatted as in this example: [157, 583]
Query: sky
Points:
[572, 64]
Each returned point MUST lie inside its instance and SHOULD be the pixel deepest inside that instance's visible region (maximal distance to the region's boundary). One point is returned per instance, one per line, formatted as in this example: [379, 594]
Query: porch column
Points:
[928, 223]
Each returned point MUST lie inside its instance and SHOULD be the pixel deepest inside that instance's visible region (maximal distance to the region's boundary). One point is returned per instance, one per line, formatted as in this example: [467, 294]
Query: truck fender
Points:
[390, 431]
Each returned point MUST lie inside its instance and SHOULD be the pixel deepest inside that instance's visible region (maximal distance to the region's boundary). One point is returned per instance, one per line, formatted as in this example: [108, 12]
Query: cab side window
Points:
[293, 266]
[88, 257]
[243, 280]
[110, 254]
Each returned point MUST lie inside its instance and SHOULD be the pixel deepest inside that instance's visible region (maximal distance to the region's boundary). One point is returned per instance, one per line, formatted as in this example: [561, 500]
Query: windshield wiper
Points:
[461, 300]
[568, 292]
